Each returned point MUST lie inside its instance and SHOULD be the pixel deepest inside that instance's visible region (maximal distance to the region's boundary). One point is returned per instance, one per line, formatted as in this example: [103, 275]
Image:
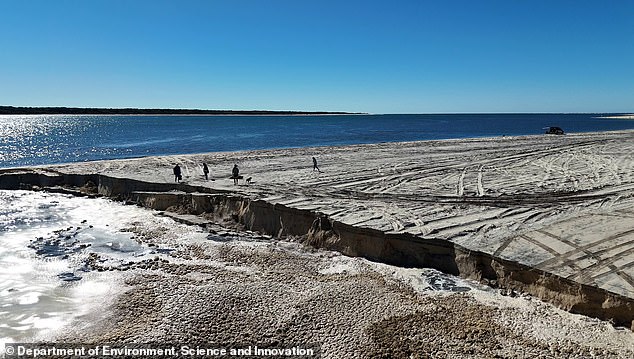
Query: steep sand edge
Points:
[536, 213]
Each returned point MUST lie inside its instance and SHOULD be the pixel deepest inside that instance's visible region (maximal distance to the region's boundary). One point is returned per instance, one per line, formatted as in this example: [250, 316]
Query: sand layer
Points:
[560, 204]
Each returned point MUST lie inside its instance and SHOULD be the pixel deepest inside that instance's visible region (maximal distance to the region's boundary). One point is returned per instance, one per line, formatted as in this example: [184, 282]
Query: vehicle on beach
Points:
[554, 130]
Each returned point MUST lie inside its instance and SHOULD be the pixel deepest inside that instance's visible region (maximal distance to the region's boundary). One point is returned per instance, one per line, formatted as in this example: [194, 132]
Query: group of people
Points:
[235, 172]
[178, 174]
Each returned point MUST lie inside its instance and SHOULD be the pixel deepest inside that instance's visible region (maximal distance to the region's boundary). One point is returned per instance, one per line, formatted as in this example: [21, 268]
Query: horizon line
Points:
[66, 110]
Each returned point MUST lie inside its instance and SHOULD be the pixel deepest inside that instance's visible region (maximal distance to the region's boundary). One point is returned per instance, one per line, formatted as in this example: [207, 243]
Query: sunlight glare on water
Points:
[28, 138]
[47, 139]
[35, 300]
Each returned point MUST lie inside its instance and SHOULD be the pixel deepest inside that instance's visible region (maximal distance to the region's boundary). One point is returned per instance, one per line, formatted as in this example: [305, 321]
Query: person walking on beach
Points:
[235, 174]
[206, 171]
[315, 165]
[177, 173]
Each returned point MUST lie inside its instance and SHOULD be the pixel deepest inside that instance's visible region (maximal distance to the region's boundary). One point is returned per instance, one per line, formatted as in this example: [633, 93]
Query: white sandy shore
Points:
[552, 202]
[563, 204]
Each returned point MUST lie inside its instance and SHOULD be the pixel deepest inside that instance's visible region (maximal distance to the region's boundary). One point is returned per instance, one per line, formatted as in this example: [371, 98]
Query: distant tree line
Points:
[11, 110]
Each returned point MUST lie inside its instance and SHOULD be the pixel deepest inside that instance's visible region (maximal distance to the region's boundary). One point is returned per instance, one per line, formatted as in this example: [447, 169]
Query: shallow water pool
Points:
[45, 240]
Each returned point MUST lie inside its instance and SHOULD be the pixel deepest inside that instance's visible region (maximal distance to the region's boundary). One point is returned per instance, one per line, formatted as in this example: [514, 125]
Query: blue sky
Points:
[367, 56]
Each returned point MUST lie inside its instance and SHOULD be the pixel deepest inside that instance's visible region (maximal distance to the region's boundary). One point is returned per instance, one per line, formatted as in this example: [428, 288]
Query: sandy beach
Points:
[540, 200]
[392, 180]
[559, 205]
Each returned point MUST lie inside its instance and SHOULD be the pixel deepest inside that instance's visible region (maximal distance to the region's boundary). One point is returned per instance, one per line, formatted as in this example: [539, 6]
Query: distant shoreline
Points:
[11, 110]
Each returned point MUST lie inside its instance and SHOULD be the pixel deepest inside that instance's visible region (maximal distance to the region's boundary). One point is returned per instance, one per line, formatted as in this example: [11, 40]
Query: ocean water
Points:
[38, 140]
[45, 240]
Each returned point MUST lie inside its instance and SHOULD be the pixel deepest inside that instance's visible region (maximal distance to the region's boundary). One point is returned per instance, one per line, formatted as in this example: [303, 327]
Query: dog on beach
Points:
[248, 180]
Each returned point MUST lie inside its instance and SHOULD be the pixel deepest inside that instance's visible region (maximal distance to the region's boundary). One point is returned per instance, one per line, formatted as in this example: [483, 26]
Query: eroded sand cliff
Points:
[545, 215]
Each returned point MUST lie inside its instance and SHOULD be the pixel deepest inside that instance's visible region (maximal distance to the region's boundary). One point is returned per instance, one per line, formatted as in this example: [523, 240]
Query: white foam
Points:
[339, 264]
